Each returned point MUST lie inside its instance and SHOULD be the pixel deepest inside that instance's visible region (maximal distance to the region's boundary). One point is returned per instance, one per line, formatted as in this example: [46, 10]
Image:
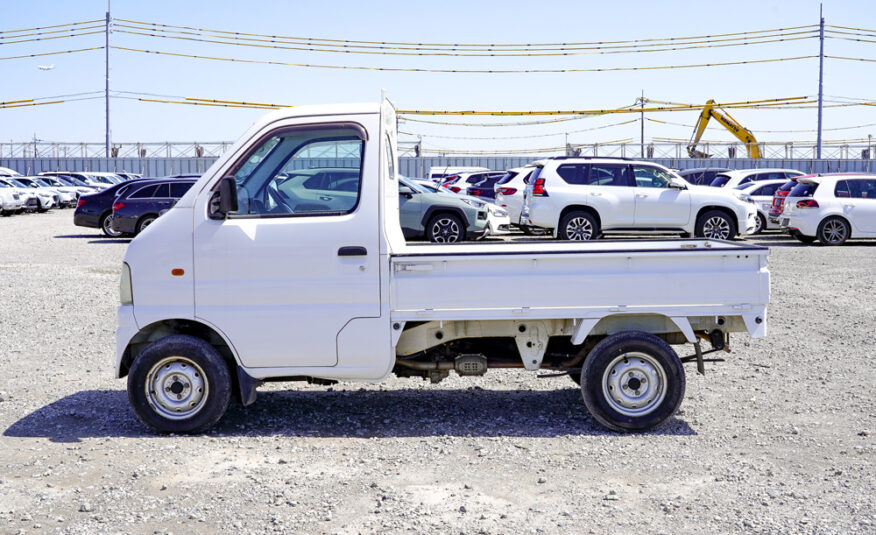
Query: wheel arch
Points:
[579, 208]
[725, 209]
[167, 327]
[144, 216]
[432, 211]
[836, 215]
[653, 323]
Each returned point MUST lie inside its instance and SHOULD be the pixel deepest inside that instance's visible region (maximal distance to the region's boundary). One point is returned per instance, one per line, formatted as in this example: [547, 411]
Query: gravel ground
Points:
[779, 439]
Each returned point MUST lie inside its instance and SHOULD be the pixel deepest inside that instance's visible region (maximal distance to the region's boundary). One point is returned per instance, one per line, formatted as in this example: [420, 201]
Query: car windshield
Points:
[18, 183]
[803, 190]
[43, 183]
[50, 181]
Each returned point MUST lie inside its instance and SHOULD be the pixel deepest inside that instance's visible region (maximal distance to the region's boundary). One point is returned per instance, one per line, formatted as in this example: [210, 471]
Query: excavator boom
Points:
[742, 134]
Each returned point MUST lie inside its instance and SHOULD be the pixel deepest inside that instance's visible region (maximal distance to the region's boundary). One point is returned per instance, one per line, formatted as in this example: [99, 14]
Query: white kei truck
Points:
[286, 262]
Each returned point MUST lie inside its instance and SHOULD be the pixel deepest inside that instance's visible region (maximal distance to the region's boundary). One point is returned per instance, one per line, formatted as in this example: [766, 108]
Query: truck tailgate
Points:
[564, 280]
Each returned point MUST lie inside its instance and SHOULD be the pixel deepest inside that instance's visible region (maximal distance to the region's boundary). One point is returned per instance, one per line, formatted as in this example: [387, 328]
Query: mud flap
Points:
[247, 386]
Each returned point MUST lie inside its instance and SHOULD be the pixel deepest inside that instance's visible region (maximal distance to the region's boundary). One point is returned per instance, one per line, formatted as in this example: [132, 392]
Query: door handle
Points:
[596, 194]
[848, 206]
[325, 198]
[352, 251]
[642, 195]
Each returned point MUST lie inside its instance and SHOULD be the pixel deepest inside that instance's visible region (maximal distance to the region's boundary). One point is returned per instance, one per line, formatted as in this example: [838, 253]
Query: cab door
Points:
[283, 276]
[609, 190]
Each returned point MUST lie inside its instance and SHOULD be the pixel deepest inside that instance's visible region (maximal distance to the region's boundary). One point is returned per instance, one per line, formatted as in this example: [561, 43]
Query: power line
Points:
[49, 27]
[53, 53]
[460, 71]
[316, 40]
[522, 137]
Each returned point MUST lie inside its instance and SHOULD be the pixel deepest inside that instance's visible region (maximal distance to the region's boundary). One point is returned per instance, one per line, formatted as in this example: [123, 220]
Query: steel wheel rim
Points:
[834, 231]
[634, 384]
[108, 226]
[176, 388]
[579, 229]
[445, 230]
[758, 226]
[716, 227]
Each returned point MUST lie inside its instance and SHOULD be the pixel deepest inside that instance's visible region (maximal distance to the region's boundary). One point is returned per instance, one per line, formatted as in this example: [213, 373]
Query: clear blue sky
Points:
[446, 21]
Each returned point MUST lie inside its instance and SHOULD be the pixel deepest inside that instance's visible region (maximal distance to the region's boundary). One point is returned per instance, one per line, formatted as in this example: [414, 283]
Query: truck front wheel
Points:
[179, 384]
[632, 381]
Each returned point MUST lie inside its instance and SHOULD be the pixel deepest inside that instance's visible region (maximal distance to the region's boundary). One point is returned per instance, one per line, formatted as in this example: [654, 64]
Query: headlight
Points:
[744, 197]
[126, 293]
[474, 203]
[498, 212]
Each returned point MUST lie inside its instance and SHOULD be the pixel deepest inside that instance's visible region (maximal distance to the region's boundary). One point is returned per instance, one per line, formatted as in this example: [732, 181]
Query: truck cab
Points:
[286, 261]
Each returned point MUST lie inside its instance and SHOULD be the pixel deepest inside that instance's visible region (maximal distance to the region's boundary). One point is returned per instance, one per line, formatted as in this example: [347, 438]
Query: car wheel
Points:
[445, 228]
[179, 384]
[533, 231]
[632, 381]
[6, 213]
[717, 225]
[759, 225]
[578, 226]
[106, 226]
[833, 231]
[145, 222]
[40, 208]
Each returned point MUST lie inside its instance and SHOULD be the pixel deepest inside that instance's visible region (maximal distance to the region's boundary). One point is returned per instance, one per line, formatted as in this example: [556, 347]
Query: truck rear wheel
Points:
[632, 381]
[179, 384]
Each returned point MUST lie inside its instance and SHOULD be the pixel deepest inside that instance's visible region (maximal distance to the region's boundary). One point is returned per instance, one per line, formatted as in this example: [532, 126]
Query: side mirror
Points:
[677, 185]
[224, 200]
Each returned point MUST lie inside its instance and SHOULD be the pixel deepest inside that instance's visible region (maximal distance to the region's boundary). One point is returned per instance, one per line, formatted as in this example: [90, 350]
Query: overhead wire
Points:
[430, 136]
[50, 32]
[466, 52]
[460, 71]
[494, 45]
[54, 26]
[50, 38]
[53, 53]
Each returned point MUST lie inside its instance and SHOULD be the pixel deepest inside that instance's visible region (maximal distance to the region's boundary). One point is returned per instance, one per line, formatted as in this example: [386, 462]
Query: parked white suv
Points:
[583, 198]
[761, 193]
[831, 208]
[732, 179]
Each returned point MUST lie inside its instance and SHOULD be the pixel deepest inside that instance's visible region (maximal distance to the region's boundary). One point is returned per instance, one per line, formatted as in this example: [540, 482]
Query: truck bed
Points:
[681, 277]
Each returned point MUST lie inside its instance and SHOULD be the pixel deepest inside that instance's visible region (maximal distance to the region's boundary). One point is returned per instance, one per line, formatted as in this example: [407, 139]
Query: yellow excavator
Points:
[743, 134]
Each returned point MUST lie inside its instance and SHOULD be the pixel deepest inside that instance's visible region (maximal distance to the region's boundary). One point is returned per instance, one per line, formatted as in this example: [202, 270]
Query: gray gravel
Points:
[779, 439]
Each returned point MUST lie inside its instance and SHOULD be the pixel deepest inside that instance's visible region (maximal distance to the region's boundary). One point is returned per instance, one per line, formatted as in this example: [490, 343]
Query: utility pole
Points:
[820, 78]
[106, 91]
[642, 120]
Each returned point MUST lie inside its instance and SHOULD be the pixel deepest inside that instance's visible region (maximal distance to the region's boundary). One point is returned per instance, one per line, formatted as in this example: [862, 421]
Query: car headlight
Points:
[744, 197]
[126, 293]
[498, 212]
[474, 203]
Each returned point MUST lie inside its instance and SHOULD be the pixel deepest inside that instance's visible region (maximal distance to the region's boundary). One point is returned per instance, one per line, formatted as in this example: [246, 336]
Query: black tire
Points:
[632, 361]
[715, 224]
[40, 208]
[533, 231]
[802, 238]
[185, 363]
[144, 222]
[106, 226]
[833, 231]
[6, 213]
[578, 226]
[445, 228]
[761, 224]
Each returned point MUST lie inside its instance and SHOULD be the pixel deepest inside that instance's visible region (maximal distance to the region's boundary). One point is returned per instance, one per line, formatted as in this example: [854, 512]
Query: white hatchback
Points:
[831, 208]
[732, 179]
[761, 193]
[584, 198]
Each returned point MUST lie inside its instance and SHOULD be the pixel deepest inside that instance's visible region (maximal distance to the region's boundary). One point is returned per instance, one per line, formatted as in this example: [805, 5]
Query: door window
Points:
[145, 193]
[862, 189]
[574, 173]
[769, 189]
[178, 189]
[651, 177]
[302, 171]
[609, 175]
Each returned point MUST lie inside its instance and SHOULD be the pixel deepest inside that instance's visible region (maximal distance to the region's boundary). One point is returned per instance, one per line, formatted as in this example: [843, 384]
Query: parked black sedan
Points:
[96, 210]
[139, 206]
